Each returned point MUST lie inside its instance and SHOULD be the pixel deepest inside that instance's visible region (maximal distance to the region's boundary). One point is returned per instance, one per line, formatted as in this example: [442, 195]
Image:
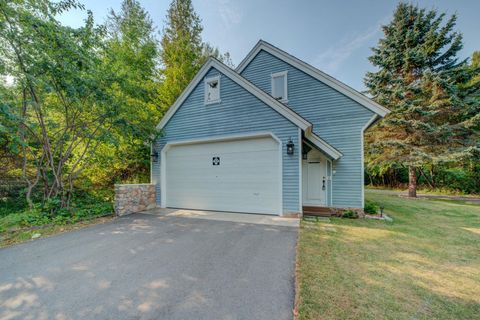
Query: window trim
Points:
[285, 84]
[206, 83]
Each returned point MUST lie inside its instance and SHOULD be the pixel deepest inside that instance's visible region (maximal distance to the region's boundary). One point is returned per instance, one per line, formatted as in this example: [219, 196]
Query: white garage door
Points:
[238, 176]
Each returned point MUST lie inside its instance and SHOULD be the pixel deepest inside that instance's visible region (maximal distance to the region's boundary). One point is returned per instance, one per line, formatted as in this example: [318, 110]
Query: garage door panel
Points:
[246, 180]
[225, 146]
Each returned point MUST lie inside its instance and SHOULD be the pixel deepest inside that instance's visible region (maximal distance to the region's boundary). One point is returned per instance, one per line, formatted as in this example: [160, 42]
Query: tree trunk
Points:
[412, 181]
[427, 179]
[433, 176]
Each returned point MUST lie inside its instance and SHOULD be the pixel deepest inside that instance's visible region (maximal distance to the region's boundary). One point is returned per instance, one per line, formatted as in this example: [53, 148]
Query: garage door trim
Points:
[163, 159]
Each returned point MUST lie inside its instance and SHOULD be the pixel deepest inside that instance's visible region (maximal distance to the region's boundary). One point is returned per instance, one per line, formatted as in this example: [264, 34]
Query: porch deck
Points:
[317, 211]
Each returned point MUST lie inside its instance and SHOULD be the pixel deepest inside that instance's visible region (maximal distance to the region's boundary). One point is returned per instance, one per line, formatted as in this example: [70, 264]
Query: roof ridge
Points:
[264, 91]
[283, 109]
[314, 72]
[213, 62]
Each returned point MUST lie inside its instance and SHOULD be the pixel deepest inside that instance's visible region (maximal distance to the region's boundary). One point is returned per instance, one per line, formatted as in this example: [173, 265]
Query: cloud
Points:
[335, 55]
[229, 13]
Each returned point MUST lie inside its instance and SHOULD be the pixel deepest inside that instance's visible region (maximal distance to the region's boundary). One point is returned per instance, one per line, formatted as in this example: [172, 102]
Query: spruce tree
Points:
[419, 78]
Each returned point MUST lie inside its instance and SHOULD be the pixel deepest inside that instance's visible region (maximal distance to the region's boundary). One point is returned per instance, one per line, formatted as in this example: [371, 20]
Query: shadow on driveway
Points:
[146, 266]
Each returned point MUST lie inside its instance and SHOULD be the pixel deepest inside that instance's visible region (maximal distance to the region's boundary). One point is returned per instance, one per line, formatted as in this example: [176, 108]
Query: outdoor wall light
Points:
[154, 156]
[290, 147]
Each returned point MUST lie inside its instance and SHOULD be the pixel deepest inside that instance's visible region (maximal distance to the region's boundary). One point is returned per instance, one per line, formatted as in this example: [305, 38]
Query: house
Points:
[271, 137]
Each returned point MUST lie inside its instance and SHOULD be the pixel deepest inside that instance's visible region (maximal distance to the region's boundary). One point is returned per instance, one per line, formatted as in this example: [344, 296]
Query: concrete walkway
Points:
[158, 265]
[228, 216]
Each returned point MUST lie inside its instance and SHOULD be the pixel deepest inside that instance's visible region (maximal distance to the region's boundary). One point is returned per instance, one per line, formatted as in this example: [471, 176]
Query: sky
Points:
[334, 36]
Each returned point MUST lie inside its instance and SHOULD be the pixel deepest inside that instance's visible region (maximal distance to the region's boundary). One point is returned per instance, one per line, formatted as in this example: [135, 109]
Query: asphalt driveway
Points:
[146, 266]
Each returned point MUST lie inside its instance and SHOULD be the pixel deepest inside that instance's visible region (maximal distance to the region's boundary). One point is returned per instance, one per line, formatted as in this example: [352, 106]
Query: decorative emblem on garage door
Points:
[216, 161]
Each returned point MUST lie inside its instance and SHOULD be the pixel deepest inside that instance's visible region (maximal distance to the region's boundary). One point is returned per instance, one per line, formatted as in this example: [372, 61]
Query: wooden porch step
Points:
[317, 211]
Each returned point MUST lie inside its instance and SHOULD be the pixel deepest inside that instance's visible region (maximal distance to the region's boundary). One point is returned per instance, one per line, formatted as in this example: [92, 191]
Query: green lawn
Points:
[423, 265]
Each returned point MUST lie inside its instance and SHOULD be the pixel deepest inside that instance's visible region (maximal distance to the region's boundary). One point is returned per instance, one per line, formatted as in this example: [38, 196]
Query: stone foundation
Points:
[130, 198]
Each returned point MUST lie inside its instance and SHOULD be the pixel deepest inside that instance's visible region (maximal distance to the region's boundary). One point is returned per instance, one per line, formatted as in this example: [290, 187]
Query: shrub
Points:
[350, 214]
[33, 217]
[370, 208]
[51, 206]
[14, 213]
[9, 205]
[61, 220]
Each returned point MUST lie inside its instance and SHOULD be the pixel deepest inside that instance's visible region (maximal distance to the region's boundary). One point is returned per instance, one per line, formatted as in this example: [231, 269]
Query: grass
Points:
[423, 265]
[422, 190]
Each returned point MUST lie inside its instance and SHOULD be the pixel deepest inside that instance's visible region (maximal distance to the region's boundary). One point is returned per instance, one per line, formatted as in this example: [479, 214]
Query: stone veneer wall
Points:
[130, 198]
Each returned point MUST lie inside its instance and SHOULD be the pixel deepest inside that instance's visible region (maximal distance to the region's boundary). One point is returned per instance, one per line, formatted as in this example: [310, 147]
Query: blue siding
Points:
[335, 118]
[238, 112]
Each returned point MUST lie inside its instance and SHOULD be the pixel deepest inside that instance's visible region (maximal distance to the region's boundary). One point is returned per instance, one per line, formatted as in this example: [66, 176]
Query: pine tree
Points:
[132, 42]
[434, 115]
[183, 51]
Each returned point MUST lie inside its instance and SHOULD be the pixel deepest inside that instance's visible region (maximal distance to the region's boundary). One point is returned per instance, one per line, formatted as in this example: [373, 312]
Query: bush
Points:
[370, 208]
[26, 218]
[15, 214]
[33, 218]
[9, 205]
[97, 210]
[350, 214]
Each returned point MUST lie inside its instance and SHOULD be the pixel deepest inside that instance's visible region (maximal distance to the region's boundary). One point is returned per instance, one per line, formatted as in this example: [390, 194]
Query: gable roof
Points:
[285, 111]
[323, 145]
[244, 83]
[315, 73]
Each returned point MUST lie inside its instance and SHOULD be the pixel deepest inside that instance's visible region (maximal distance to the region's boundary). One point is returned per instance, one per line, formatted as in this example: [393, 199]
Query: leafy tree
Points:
[210, 51]
[57, 110]
[435, 114]
[183, 51]
[131, 53]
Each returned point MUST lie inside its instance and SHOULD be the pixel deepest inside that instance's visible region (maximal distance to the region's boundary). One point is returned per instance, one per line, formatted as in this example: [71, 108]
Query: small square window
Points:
[279, 86]
[212, 90]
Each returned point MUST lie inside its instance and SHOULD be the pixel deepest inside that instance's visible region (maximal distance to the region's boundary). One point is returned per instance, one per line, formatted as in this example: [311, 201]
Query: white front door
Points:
[314, 180]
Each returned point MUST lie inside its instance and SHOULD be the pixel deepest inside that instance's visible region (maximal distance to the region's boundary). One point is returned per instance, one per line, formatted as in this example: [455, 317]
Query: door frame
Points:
[213, 139]
[327, 193]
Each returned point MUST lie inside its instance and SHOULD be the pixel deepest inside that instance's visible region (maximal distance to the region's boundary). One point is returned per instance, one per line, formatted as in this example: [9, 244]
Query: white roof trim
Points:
[323, 145]
[267, 99]
[314, 72]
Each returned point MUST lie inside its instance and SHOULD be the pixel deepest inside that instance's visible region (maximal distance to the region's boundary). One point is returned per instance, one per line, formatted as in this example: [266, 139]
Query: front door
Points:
[314, 181]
